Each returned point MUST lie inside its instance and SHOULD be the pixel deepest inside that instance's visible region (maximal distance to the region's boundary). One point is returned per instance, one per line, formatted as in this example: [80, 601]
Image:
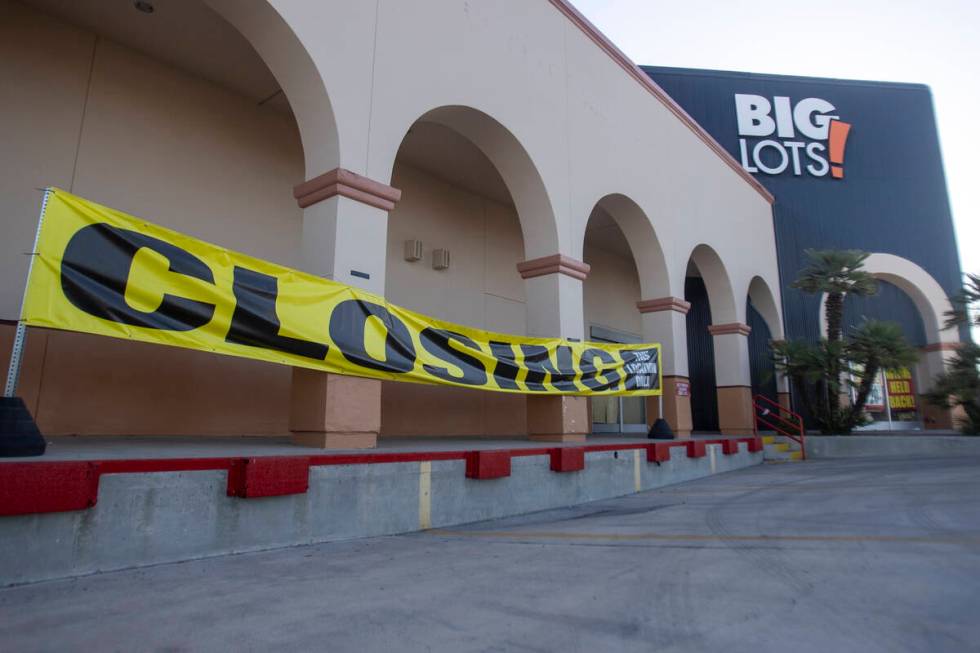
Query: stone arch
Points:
[290, 63]
[539, 224]
[765, 303]
[648, 254]
[721, 295]
[925, 292]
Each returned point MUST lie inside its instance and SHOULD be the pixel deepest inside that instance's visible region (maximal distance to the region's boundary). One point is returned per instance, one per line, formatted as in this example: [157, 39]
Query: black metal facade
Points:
[892, 197]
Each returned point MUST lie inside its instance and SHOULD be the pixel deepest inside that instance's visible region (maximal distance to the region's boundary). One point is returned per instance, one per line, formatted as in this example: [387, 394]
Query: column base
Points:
[320, 440]
[330, 411]
[735, 413]
[677, 406]
[558, 418]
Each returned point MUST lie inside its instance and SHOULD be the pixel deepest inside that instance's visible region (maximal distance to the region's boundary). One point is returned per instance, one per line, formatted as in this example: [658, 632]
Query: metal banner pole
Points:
[888, 401]
[13, 371]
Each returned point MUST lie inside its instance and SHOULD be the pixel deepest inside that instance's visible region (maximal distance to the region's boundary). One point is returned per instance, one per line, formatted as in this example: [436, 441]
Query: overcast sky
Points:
[935, 43]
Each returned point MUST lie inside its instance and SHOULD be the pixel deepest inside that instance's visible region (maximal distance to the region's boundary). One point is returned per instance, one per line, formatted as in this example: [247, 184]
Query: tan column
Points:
[665, 321]
[733, 378]
[345, 229]
[932, 362]
[554, 309]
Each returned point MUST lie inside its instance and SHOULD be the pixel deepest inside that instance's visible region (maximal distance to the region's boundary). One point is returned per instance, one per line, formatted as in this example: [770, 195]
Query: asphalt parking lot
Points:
[835, 555]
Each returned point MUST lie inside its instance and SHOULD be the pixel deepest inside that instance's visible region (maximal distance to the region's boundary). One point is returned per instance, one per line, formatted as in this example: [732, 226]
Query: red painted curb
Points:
[696, 449]
[29, 488]
[251, 478]
[40, 487]
[567, 459]
[485, 465]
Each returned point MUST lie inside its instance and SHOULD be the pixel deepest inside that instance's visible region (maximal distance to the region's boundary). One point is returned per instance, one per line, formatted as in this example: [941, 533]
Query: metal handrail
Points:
[792, 424]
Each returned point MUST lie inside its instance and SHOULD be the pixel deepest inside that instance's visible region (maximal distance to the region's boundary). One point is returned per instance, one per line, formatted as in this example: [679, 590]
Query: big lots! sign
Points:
[779, 135]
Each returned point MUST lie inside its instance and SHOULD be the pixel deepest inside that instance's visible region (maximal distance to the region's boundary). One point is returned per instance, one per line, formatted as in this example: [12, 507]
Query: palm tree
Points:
[875, 346]
[837, 273]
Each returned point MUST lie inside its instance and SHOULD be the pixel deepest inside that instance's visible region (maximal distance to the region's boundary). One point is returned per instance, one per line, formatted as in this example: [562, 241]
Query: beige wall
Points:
[116, 127]
[611, 292]
[564, 124]
[480, 289]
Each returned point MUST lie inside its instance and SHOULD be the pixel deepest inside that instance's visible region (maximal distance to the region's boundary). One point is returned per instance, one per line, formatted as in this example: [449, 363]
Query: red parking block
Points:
[29, 488]
[696, 449]
[484, 465]
[729, 447]
[251, 478]
[659, 452]
[567, 459]
[755, 444]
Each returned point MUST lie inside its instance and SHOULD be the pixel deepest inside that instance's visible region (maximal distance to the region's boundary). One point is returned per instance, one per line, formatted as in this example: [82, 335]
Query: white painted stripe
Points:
[711, 456]
[425, 495]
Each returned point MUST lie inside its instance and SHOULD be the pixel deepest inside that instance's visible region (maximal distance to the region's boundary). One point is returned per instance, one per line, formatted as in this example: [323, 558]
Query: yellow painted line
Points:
[768, 439]
[689, 537]
[637, 479]
[782, 446]
[425, 495]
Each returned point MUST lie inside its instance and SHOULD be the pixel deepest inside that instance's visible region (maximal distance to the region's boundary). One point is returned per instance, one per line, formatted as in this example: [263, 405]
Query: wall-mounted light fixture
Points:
[413, 250]
[440, 259]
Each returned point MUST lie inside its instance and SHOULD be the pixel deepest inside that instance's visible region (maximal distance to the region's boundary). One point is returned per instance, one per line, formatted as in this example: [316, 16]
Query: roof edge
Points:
[617, 55]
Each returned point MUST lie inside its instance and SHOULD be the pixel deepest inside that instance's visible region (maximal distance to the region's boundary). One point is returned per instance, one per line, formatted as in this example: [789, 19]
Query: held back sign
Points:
[104, 272]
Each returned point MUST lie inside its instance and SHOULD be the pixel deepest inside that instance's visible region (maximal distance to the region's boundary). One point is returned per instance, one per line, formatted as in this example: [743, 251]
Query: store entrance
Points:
[892, 403]
[617, 415]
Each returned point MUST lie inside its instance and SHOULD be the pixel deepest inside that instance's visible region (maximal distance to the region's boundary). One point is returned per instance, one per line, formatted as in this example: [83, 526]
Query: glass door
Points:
[617, 414]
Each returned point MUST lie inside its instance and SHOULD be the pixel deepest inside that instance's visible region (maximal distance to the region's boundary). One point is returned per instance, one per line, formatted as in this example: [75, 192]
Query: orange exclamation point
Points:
[838, 141]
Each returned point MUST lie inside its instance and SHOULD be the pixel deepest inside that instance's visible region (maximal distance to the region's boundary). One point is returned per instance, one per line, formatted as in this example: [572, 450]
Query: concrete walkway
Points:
[848, 555]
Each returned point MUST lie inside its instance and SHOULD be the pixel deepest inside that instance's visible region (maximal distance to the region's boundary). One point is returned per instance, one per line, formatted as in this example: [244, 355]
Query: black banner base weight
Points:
[19, 435]
[661, 430]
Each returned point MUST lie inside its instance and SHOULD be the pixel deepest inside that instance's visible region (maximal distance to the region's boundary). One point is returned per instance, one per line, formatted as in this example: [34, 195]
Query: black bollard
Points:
[19, 435]
[661, 430]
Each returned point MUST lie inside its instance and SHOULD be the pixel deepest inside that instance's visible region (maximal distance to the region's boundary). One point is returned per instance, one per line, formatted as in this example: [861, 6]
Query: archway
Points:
[925, 292]
[470, 190]
[626, 265]
[176, 116]
[911, 297]
[763, 318]
[511, 162]
[708, 289]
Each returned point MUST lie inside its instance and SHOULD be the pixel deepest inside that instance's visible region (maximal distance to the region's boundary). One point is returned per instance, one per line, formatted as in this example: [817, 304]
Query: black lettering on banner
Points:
[538, 363]
[255, 322]
[95, 268]
[347, 324]
[642, 368]
[590, 370]
[506, 369]
[565, 378]
[436, 342]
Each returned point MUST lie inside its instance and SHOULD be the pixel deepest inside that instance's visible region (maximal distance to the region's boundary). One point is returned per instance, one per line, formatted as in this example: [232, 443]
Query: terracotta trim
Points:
[554, 264]
[738, 328]
[617, 55]
[941, 346]
[675, 304]
[346, 184]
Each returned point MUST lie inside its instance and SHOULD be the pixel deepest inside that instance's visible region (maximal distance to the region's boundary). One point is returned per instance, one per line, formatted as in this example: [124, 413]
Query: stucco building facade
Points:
[574, 196]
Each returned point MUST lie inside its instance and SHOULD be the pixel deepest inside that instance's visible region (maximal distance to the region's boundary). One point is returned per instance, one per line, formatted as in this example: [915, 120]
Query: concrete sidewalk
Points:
[848, 555]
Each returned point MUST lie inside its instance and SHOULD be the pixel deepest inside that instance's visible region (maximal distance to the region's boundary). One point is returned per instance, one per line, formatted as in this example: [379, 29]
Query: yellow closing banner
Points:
[101, 271]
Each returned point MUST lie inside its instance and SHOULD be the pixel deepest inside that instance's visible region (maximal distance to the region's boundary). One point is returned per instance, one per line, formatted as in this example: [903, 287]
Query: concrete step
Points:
[782, 451]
